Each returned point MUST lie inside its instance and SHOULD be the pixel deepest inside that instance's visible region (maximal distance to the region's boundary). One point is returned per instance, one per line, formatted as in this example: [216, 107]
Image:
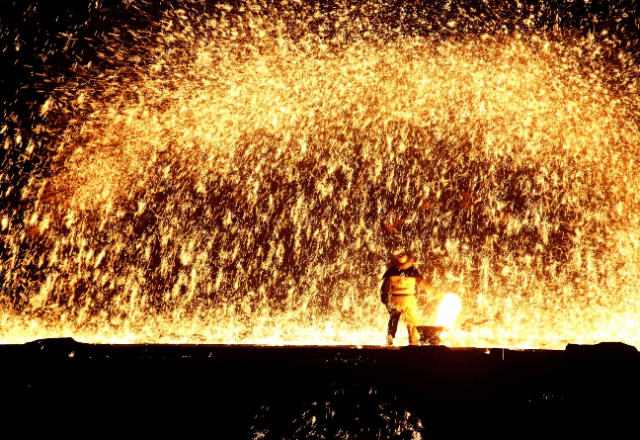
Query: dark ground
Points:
[220, 391]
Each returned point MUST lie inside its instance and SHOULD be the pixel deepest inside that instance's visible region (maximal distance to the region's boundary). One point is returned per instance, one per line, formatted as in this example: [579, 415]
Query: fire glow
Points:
[448, 311]
[247, 182]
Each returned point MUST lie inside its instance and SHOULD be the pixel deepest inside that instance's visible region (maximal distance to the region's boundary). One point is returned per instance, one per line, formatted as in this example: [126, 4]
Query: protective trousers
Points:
[403, 306]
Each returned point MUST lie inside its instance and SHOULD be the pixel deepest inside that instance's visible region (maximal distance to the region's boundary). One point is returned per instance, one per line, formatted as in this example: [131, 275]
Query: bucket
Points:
[429, 335]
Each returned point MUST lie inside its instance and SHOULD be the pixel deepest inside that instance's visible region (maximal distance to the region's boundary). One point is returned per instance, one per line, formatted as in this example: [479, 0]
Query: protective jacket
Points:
[399, 281]
[398, 294]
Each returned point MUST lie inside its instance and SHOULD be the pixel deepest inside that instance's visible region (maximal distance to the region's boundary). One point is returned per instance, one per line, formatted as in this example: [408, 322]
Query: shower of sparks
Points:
[245, 179]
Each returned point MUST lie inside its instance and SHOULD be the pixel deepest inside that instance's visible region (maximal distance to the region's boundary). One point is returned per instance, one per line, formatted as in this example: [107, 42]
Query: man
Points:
[398, 293]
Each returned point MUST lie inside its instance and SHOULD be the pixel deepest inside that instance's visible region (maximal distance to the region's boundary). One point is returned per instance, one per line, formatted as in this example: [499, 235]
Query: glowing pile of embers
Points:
[244, 177]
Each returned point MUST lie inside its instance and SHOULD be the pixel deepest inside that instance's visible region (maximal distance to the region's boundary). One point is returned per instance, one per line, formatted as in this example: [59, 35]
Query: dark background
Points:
[60, 387]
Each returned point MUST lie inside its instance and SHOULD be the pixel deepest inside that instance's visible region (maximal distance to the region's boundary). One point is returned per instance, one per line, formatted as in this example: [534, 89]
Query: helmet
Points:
[402, 260]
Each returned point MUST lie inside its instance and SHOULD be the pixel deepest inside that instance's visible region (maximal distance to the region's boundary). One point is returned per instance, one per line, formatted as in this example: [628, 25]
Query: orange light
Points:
[448, 311]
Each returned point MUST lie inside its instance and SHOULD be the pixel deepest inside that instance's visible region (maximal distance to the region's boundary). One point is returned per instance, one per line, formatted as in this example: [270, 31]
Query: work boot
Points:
[389, 340]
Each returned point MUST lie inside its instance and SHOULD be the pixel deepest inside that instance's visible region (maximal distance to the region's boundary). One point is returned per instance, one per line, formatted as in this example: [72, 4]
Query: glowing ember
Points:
[244, 179]
[448, 311]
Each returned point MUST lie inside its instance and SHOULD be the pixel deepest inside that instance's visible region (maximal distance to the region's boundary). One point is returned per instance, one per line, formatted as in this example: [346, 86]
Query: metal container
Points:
[429, 335]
